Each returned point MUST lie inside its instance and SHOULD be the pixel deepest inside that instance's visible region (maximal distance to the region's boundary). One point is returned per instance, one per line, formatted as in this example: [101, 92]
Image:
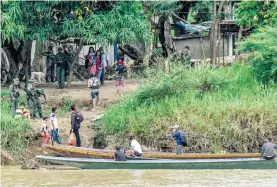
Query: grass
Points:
[221, 109]
[16, 135]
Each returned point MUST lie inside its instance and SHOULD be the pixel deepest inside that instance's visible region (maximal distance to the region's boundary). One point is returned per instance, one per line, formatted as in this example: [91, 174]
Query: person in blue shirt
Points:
[178, 135]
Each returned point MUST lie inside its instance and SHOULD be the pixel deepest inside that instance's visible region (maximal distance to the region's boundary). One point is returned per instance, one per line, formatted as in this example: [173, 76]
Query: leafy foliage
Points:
[203, 10]
[263, 47]
[256, 13]
[120, 21]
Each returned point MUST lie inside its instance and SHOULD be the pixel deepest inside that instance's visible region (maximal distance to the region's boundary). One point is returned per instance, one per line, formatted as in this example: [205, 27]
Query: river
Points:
[15, 177]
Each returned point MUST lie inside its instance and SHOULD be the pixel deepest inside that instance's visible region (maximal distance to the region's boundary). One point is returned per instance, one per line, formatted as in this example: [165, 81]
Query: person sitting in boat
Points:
[180, 139]
[268, 150]
[135, 148]
[119, 155]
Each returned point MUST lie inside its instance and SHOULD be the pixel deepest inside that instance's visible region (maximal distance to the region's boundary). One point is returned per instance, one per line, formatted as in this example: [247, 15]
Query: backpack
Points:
[79, 118]
[183, 139]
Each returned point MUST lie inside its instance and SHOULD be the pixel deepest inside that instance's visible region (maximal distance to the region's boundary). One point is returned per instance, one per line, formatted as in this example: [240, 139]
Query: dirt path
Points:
[80, 94]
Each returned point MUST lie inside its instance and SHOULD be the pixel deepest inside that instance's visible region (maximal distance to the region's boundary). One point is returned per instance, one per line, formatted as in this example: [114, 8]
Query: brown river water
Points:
[15, 177]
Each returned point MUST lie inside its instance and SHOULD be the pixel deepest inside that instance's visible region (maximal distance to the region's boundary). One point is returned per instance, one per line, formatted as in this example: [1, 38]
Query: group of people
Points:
[32, 96]
[96, 64]
[59, 64]
[50, 130]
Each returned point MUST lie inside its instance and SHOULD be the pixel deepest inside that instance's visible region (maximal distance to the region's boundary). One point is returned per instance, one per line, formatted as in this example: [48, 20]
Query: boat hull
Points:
[79, 152]
[84, 163]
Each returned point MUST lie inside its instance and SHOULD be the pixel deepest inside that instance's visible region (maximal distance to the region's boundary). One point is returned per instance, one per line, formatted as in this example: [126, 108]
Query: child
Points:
[119, 78]
[22, 112]
[44, 133]
[94, 84]
[54, 127]
[119, 155]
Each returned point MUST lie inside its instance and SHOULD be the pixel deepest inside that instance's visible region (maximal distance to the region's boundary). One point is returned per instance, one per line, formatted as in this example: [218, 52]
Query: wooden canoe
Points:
[87, 163]
[80, 152]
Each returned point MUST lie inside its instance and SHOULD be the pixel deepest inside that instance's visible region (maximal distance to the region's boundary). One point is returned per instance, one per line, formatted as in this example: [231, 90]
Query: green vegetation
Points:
[263, 48]
[220, 109]
[16, 135]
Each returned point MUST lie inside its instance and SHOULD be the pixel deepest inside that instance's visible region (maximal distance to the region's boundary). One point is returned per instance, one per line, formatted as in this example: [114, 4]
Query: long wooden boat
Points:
[80, 152]
[241, 163]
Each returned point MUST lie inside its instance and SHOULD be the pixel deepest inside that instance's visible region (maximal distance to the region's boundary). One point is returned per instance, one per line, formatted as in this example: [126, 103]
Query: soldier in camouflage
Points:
[33, 95]
[186, 56]
[50, 64]
[60, 60]
[14, 93]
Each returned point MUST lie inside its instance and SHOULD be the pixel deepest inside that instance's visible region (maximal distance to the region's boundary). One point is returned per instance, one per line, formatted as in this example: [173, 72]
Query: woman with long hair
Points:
[89, 57]
[98, 62]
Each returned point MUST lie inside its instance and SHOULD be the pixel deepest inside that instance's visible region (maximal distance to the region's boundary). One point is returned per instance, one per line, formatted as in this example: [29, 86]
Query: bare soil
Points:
[79, 94]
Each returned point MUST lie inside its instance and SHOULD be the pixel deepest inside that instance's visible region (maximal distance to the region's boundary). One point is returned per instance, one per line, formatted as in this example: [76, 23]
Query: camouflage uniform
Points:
[14, 93]
[69, 55]
[50, 65]
[60, 60]
[33, 101]
[186, 58]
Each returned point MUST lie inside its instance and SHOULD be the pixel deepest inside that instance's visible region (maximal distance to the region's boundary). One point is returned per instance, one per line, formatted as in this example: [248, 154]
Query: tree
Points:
[87, 21]
[255, 14]
[263, 48]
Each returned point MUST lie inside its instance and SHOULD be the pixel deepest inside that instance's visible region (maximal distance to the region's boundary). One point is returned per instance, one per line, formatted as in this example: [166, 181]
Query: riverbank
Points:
[220, 109]
[20, 139]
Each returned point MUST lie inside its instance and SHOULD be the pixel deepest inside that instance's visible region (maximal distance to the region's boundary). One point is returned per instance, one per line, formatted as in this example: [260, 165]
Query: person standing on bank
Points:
[61, 67]
[94, 84]
[268, 150]
[104, 64]
[50, 64]
[180, 138]
[54, 127]
[76, 120]
[14, 94]
[33, 100]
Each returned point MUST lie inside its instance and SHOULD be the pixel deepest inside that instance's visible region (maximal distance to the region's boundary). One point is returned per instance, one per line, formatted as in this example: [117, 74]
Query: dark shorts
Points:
[94, 94]
[137, 154]
[270, 158]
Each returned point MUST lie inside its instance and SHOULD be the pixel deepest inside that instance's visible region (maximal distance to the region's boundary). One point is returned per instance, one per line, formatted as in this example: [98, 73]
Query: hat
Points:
[32, 79]
[120, 62]
[60, 49]
[16, 81]
[175, 127]
[45, 117]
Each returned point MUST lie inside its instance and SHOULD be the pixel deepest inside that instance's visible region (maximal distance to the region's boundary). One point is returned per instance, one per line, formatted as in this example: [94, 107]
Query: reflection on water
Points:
[15, 177]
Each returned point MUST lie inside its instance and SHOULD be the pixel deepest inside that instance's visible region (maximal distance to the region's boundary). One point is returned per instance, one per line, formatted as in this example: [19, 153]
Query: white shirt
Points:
[136, 146]
[54, 118]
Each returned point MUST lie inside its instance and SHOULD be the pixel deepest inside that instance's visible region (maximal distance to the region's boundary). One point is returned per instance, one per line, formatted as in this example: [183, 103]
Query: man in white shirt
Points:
[135, 148]
[54, 127]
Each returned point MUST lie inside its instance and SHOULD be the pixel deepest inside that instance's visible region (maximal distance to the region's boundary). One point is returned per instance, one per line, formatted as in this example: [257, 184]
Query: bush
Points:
[263, 46]
[15, 134]
[221, 109]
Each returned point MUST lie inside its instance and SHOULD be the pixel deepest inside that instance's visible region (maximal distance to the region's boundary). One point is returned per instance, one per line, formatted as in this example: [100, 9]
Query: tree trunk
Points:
[214, 33]
[239, 39]
[70, 77]
[165, 36]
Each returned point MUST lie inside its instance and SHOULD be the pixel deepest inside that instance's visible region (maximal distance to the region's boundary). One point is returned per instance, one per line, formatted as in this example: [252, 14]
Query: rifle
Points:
[41, 92]
[38, 91]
